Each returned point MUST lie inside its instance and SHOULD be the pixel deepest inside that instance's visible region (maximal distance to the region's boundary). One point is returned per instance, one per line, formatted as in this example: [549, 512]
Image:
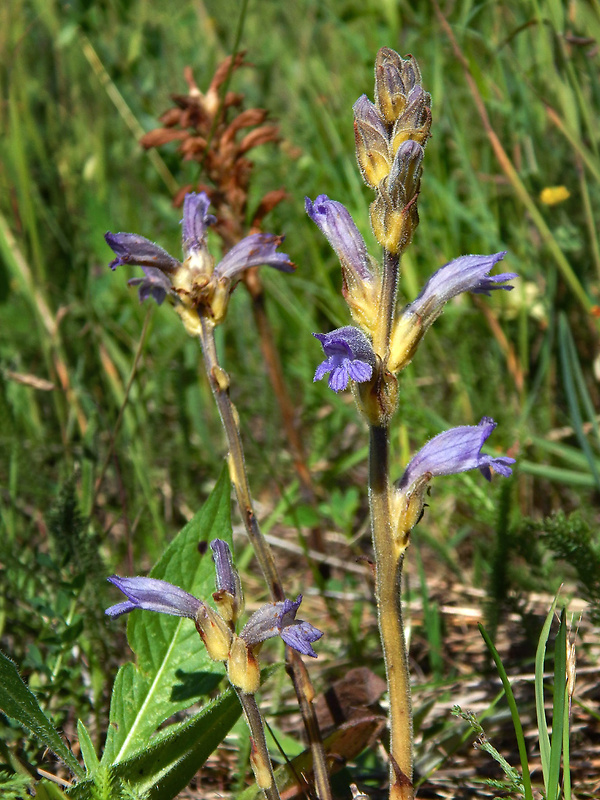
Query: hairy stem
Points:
[259, 755]
[219, 382]
[388, 565]
[387, 305]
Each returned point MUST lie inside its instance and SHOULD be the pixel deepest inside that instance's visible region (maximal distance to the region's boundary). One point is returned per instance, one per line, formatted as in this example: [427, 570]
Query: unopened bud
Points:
[394, 79]
[372, 142]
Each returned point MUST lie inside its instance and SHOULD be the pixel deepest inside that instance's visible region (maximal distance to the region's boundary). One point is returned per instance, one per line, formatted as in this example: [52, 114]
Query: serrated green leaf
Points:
[173, 670]
[88, 751]
[18, 702]
[169, 763]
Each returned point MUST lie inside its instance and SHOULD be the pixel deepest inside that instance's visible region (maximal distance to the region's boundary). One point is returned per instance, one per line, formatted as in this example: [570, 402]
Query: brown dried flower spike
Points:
[219, 140]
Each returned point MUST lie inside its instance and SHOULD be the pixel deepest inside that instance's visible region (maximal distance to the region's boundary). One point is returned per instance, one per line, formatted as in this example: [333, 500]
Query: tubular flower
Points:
[197, 285]
[464, 274]
[349, 354]
[216, 627]
[228, 597]
[151, 594]
[279, 619]
[359, 285]
[456, 450]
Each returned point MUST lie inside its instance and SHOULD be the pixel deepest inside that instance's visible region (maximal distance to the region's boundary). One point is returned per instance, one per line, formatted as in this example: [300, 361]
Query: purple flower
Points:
[349, 354]
[279, 619]
[133, 249]
[153, 595]
[254, 250]
[464, 274]
[338, 226]
[166, 275]
[456, 450]
[156, 285]
[196, 221]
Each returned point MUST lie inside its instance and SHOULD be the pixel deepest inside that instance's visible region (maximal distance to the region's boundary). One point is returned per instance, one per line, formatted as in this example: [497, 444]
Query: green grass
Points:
[82, 81]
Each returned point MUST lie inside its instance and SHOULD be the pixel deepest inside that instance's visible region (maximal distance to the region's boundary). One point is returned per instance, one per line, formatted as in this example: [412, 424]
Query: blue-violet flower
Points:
[456, 450]
[279, 619]
[349, 354]
[151, 594]
[196, 283]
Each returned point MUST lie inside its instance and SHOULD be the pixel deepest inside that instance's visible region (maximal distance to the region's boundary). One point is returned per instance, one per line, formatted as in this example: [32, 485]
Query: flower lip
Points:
[152, 594]
[456, 450]
[279, 619]
[349, 354]
[133, 249]
[155, 284]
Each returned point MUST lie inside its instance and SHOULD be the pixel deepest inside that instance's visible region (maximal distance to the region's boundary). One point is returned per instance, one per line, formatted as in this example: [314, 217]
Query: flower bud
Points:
[394, 79]
[372, 142]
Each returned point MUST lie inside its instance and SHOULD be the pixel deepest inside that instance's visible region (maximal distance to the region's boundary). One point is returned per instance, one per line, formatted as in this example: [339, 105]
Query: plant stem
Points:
[259, 756]
[388, 565]
[219, 382]
[387, 304]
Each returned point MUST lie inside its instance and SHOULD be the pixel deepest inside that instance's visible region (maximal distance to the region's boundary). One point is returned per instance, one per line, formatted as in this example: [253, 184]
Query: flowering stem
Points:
[387, 305]
[388, 566]
[219, 382]
[259, 755]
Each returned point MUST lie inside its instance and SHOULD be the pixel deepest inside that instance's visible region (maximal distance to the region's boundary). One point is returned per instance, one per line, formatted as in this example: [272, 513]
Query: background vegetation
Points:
[109, 439]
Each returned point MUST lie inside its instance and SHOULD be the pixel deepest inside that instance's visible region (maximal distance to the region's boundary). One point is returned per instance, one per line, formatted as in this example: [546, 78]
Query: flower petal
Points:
[349, 356]
[279, 619]
[464, 274]
[155, 284]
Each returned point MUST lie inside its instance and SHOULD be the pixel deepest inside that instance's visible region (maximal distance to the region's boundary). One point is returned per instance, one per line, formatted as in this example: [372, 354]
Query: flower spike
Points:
[349, 354]
[197, 286]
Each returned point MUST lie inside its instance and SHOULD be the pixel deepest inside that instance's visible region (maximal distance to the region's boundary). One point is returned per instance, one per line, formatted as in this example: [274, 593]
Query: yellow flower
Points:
[552, 195]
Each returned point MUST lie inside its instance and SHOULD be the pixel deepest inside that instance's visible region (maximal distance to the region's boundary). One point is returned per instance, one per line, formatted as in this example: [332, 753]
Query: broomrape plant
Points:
[391, 135]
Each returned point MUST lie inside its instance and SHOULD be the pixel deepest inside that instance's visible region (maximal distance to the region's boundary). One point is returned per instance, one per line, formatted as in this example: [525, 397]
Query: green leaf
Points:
[539, 692]
[558, 709]
[514, 712]
[88, 751]
[48, 790]
[173, 669]
[19, 703]
[167, 765]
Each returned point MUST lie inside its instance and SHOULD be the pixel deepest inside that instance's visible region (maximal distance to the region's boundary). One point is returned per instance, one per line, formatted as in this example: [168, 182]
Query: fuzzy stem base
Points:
[388, 565]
